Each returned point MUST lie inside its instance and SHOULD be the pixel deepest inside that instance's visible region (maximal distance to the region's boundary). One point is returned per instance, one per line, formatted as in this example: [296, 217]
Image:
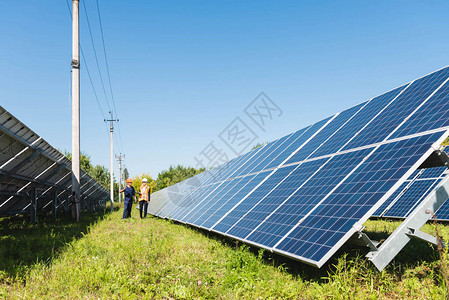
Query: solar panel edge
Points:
[287, 198]
[316, 206]
[328, 194]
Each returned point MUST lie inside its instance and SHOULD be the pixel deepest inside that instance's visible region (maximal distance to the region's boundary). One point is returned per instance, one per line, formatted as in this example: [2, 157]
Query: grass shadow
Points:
[23, 244]
[412, 255]
[294, 267]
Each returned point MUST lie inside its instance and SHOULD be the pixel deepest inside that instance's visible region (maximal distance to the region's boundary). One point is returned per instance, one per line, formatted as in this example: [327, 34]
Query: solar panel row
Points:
[307, 193]
[28, 163]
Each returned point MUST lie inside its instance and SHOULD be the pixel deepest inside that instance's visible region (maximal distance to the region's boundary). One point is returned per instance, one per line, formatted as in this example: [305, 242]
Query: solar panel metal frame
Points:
[49, 179]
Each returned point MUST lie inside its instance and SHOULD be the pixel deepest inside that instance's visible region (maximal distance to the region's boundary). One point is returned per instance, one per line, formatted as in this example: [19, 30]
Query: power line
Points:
[91, 83]
[106, 58]
[95, 54]
[120, 136]
[107, 70]
[119, 146]
[87, 68]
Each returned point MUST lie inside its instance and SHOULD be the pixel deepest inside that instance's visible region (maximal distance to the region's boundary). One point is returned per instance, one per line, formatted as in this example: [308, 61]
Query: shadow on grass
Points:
[413, 254]
[23, 244]
[293, 267]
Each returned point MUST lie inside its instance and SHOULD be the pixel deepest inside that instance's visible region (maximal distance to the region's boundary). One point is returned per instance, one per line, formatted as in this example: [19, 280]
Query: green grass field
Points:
[106, 257]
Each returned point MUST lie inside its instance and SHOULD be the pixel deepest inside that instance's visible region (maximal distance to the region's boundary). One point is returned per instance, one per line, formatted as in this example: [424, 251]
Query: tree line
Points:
[165, 178]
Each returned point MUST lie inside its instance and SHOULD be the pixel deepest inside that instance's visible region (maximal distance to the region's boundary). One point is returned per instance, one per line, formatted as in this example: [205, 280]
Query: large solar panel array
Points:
[31, 168]
[307, 193]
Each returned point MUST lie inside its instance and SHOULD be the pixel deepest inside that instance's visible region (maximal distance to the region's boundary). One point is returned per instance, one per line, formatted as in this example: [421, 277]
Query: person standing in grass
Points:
[129, 193]
[144, 198]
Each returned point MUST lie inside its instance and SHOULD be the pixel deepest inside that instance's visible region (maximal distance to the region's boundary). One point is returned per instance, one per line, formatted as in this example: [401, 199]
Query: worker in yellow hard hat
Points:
[144, 198]
[129, 193]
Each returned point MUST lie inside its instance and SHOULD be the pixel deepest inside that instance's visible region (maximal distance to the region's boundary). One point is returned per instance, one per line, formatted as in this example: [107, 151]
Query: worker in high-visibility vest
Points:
[144, 198]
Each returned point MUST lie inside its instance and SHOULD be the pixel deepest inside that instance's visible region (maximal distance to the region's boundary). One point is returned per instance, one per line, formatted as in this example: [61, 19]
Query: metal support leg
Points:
[424, 237]
[361, 239]
[33, 206]
[55, 204]
[410, 227]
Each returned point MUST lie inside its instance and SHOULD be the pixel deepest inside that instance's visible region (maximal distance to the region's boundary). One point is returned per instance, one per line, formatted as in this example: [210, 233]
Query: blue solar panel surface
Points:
[299, 203]
[314, 237]
[393, 198]
[213, 202]
[443, 212]
[324, 134]
[411, 197]
[363, 117]
[306, 193]
[245, 204]
[221, 207]
[298, 143]
[410, 98]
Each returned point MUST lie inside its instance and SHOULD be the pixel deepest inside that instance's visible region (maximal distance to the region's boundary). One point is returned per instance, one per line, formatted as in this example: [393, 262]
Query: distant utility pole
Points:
[111, 126]
[120, 158]
[75, 100]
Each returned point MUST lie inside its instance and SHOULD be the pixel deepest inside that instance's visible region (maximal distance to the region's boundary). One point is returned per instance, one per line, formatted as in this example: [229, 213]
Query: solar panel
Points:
[307, 193]
[313, 183]
[35, 177]
[411, 192]
[338, 122]
[410, 197]
[322, 231]
[411, 97]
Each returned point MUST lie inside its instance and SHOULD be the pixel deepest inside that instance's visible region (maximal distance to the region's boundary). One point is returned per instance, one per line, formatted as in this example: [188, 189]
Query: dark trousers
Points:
[143, 207]
[127, 209]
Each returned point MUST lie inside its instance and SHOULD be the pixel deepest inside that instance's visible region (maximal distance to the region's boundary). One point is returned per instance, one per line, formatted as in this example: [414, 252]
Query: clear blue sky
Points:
[181, 71]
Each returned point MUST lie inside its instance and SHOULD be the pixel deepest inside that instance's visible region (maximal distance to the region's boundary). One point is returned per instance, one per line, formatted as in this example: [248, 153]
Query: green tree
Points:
[125, 174]
[102, 175]
[85, 163]
[137, 181]
[99, 173]
[174, 175]
[258, 145]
